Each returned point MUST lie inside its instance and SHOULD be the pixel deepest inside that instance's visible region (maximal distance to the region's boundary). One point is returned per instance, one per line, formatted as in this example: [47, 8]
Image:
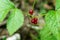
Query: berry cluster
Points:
[33, 20]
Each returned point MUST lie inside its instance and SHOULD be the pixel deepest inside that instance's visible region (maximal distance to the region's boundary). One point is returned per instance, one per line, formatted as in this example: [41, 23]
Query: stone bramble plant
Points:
[51, 30]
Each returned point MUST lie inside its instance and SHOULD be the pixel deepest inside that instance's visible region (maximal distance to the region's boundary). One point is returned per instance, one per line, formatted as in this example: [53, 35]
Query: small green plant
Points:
[15, 19]
[51, 30]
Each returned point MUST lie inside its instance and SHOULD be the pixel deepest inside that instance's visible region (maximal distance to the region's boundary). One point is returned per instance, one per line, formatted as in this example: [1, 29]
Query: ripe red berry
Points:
[34, 21]
[31, 12]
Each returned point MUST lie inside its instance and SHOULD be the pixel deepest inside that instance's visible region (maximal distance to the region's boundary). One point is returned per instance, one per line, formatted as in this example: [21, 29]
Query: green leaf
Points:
[5, 6]
[51, 31]
[52, 22]
[46, 34]
[15, 21]
[57, 4]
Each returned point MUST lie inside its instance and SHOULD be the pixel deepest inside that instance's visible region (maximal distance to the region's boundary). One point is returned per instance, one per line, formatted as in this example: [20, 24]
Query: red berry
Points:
[31, 12]
[34, 20]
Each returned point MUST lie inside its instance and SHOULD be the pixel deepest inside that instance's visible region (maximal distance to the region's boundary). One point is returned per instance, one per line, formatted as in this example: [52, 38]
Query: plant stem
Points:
[34, 4]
